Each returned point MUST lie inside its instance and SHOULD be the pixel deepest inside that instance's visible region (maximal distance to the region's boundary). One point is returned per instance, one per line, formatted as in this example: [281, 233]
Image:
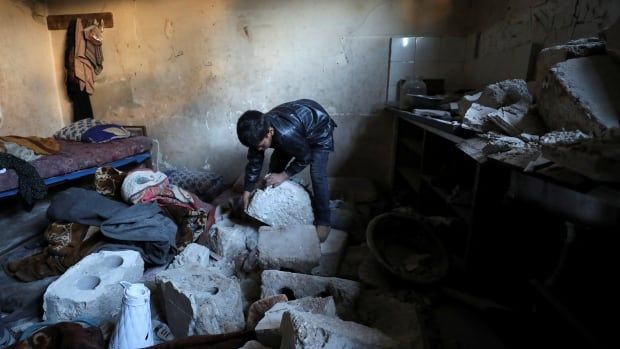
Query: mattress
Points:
[76, 159]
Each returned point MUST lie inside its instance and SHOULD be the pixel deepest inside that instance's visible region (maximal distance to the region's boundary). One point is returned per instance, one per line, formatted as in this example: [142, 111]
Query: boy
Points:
[300, 131]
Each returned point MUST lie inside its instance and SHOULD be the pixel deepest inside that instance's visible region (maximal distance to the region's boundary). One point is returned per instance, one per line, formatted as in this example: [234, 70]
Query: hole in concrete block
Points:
[288, 292]
[88, 282]
[213, 290]
[324, 293]
[113, 261]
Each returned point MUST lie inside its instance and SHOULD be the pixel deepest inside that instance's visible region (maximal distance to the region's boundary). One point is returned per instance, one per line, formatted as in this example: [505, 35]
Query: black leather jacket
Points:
[300, 127]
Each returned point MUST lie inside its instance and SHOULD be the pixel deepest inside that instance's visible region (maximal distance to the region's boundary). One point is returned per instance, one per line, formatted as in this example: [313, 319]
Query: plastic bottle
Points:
[134, 328]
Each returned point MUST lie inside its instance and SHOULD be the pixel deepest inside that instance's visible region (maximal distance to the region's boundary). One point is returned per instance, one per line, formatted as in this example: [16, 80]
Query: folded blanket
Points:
[41, 146]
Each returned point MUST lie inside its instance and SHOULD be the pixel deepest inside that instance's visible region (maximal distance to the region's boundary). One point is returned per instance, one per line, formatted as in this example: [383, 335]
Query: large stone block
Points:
[227, 241]
[505, 93]
[287, 204]
[199, 301]
[332, 250]
[345, 292]
[291, 247]
[302, 330]
[268, 328]
[582, 94]
[91, 288]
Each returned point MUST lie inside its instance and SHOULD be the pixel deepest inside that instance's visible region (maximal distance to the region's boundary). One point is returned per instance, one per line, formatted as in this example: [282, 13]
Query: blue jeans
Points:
[318, 175]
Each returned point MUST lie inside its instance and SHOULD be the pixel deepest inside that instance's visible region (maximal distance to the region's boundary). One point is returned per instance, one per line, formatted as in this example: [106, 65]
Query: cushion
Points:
[104, 133]
[206, 185]
[74, 131]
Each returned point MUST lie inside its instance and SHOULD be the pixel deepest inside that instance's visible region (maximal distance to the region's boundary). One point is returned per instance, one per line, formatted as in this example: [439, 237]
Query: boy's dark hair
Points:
[252, 127]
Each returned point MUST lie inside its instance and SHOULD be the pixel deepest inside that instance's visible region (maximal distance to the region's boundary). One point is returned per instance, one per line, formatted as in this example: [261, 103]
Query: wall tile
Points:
[403, 49]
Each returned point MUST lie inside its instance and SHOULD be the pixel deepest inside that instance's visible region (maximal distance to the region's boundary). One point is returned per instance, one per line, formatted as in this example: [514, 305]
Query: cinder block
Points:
[227, 241]
[192, 254]
[293, 247]
[268, 328]
[286, 204]
[199, 301]
[91, 288]
[302, 330]
[345, 292]
[332, 250]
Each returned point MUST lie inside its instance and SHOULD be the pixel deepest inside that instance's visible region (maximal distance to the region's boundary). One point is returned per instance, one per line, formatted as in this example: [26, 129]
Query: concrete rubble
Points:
[253, 345]
[582, 94]
[291, 247]
[91, 288]
[200, 301]
[303, 330]
[345, 292]
[332, 251]
[287, 204]
[193, 253]
[268, 328]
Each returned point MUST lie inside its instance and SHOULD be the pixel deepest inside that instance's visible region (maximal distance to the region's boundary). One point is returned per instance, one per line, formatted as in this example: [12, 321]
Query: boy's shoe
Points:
[322, 231]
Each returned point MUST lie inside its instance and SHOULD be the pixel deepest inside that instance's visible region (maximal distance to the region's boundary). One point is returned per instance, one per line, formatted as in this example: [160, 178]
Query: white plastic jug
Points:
[134, 329]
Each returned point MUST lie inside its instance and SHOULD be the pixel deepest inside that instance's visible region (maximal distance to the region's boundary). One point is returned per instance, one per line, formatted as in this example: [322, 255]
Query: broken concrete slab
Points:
[227, 242]
[352, 189]
[253, 345]
[477, 118]
[291, 247]
[91, 288]
[345, 292]
[332, 251]
[199, 301]
[582, 94]
[505, 93]
[287, 204]
[518, 118]
[192, 254]
[268, 328]
[550, 56]
[302, 330]
[466, 102]
[558, 138]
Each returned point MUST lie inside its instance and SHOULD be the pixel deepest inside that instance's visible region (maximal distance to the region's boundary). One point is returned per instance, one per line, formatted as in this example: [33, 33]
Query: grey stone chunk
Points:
[227, 241]
[268, 328]
[505, 93]
[286, 204]
[302, 330]
[477, 118]
[550, 56]
[192, 254]
[582, 94]
[345, 292]
[332, 250]
[294, 247]
[466, 102]
[200, 301]
[91, 288]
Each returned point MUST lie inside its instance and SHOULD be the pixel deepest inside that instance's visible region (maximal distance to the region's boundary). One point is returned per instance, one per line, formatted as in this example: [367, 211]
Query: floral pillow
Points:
[74, 131]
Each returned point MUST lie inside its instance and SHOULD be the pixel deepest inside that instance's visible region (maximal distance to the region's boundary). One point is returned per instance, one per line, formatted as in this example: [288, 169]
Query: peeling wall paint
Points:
[28, 94]
[508, 29]
[187, 69]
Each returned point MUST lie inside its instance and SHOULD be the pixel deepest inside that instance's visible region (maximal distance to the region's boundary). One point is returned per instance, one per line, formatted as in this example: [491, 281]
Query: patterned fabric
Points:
[105, 133]
[74, 131]
[206, 185]
[75, 156]
[43, 146]
[108, 181]
[138, 181]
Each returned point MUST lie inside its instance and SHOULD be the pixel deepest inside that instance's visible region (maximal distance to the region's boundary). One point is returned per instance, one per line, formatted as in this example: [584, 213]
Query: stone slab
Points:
[292, 247]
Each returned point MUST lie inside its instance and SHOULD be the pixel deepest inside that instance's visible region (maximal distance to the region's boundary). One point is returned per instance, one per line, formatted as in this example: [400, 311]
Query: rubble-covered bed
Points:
[78, 159]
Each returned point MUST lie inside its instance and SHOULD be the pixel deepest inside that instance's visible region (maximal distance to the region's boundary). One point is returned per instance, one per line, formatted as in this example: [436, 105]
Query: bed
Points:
[77, 159]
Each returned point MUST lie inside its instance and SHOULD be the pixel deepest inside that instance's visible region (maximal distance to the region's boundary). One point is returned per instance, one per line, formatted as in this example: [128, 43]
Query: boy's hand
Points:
[275, 179]
[246, 200]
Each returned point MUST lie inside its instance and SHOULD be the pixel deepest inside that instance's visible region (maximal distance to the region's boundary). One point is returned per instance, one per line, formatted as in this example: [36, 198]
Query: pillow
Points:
[104, 133]
[74, 131]
[206, 185]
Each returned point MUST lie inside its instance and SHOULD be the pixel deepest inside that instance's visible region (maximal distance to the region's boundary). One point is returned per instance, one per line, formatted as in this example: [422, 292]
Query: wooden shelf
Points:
[412, 176]
[414, 144]
[462, 211]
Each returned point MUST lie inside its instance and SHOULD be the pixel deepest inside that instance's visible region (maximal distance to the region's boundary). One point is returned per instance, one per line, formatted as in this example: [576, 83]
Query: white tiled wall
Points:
[427, 58]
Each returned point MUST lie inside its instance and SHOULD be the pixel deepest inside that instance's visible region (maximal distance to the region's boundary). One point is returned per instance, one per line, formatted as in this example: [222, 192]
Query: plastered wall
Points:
[188, 68]
[507, 30]
[29, 103]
